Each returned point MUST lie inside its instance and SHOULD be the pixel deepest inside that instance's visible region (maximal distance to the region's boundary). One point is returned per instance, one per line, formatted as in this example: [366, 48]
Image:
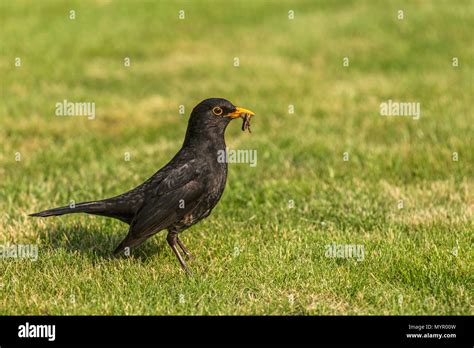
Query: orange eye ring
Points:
[217, 111]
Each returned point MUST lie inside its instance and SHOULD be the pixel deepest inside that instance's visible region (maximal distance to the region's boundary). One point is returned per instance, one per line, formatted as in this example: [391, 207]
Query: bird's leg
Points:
[184, 249]
[171, 239]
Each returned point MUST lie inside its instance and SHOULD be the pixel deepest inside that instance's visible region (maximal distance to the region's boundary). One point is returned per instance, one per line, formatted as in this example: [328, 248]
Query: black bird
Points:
[182, 192]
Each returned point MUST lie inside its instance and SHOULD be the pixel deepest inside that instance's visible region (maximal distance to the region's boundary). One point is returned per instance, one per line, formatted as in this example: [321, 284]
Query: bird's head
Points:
[213, 115]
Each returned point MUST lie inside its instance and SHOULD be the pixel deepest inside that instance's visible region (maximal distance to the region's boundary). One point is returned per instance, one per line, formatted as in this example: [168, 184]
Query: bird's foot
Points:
[189, 273]
[185, 250]
[173, 239]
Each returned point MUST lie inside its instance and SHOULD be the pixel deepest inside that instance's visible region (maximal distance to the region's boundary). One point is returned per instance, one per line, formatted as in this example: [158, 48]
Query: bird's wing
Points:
[126, 205]
[175, 196]
[177, 177]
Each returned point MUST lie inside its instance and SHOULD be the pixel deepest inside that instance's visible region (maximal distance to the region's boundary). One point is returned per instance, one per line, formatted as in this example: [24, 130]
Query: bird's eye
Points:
[217, 111]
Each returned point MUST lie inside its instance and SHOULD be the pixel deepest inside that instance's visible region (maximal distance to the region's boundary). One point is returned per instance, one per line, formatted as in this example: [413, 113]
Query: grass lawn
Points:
[333, 172]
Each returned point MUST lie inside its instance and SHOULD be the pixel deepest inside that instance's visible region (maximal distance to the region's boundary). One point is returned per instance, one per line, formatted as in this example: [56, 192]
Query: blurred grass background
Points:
[255, 255]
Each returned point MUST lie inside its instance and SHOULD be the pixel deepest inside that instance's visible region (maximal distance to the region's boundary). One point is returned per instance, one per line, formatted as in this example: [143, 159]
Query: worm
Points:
[246, 123]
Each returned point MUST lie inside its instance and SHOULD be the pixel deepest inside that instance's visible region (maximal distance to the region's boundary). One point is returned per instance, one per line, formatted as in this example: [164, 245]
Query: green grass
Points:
[254, 253]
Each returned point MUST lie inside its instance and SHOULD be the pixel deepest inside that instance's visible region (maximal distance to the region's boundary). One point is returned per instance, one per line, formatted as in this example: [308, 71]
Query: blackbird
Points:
[181, 193]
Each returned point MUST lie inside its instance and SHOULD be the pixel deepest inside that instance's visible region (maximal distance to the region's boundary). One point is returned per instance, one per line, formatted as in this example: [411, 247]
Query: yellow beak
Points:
[240, 112]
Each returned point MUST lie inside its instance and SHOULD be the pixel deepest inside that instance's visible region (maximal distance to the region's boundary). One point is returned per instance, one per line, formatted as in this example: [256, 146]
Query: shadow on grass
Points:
[98, 241]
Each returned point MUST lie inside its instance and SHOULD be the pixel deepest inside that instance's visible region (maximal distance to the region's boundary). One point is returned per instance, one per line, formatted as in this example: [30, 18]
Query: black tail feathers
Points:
[86, 207]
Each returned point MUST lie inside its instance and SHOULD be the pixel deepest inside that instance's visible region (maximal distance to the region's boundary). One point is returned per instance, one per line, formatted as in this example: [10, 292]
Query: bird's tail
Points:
[96, 207]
